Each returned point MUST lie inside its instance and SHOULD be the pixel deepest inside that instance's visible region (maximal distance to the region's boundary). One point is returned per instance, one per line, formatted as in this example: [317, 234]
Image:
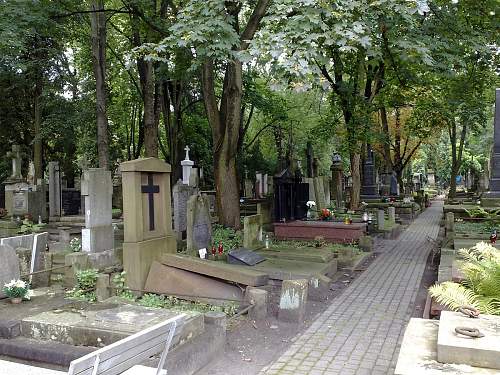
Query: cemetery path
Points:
[361, 331]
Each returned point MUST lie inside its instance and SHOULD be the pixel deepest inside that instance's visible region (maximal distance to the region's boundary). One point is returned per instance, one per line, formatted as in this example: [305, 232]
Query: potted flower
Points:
[325, 214]
[17, 290]
[310, 212]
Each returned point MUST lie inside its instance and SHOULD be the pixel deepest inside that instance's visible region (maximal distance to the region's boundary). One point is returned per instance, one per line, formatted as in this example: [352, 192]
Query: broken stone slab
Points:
[293, 300]
[455, 348]
[319, 286]
[173, 281]
[238, 274]
[418, 353]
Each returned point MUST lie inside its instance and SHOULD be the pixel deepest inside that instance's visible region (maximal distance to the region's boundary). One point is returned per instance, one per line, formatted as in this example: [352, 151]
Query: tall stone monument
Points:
[369, 188]
[337, 180]
[97, 190]
[492, 197]
[54, 189]
[147, 217]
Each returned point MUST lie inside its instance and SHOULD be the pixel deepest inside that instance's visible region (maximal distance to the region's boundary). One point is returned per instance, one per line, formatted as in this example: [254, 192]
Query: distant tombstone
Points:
[248, 189]
[194, 178]
[9, 266]
[97, 190]
[258, 185]
[394, 185]
[180, 196]
[187, 165]
[20, 203]
[311, 191]
[252, 232]
[327, 194]
[369, 186]
[319, 192]
[54, 189]
[380, 220]
[71, 201]
[290, 197]
[16, 163]
[199, 224]
[337, 180]
[147, 217]
[264, 185]
[270, 186]
[431, 178]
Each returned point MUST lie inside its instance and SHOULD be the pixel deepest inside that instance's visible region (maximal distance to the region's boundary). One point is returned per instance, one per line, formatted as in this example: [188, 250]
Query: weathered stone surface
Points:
[418, 353]
[105, 325]
[37, 259]
[252, 232]
[479, 352]
[147, 217]
[450, 223]
[199, 224]
[307, 254]
[174, 281]
[391, 211]
[380, 220]
[9, 328]
[259, 299]
[319, 285]
[293, 300]
[78, 262]
[25, 241]
[102, 289]
[54, 189]
[180, 195]
[264, 209]
[238, 274]
[9, 266]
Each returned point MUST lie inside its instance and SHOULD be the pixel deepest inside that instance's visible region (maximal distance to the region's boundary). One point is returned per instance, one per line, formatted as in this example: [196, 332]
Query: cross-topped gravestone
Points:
[147, 217]
[492, 197]
[187, 165]
[16, 162]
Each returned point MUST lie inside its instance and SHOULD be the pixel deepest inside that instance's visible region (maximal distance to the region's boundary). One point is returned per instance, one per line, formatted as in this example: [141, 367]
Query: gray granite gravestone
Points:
[97, 189]
[9, 266]
[369, 187]
[180, 196]
[199, 225]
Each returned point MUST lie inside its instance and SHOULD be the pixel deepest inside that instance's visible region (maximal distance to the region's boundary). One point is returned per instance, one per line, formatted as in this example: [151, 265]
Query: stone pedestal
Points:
[147, 217]
[380, 220]
[392, 214]
[293, 300]
[187, 165]
[97, 189]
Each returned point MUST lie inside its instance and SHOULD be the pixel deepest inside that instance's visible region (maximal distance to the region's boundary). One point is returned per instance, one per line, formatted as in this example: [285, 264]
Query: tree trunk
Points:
[98, 38]
[225, 124]
[37, 142]
[146, 73]
[456, 156]
[356, 180]
[387, 139]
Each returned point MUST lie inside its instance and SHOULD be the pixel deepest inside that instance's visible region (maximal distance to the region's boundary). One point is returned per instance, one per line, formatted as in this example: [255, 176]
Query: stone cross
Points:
[151, 189]
[187, 165]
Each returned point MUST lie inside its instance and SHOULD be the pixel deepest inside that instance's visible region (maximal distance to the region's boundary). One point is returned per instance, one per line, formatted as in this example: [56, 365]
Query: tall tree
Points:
[98, 41]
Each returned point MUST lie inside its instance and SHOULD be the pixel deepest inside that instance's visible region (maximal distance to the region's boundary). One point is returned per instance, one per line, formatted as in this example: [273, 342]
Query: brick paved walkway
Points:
[361, 331]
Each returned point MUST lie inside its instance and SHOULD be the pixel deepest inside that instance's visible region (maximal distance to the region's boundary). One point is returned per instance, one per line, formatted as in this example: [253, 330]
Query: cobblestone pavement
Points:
[361, 332]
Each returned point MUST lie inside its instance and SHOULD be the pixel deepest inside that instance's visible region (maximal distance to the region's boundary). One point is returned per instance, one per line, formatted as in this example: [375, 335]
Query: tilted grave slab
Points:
[306, 254]
[284, 269]
[456, 348]
[230, 272]
[244, 257]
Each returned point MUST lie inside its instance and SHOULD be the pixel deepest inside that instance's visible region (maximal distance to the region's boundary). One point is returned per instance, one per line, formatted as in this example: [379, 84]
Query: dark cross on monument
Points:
[151, 189]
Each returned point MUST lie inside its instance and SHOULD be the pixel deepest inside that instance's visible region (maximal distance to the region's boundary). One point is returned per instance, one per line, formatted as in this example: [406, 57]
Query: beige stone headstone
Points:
[147, 217]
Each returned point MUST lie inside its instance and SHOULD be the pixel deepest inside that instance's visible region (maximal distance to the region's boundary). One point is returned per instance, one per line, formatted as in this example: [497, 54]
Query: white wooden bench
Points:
[123, 357]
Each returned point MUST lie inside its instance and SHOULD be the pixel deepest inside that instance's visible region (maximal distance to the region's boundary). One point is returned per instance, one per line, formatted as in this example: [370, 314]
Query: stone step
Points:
[238, 274]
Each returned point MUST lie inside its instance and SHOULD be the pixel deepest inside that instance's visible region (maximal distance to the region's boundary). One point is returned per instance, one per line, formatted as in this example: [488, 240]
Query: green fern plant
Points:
[481, 286]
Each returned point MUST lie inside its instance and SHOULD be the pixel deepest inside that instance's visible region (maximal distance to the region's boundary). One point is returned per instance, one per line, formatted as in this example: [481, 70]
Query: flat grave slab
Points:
[455, 348]
[284, 269]
[418, 353]
[102, 324]
[239, 274]
[330, 231]
[305, 254]
[463, 243]
[244, 257]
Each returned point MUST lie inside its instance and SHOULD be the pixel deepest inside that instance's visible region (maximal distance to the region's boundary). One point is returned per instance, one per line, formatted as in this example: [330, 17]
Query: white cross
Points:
[187, 152]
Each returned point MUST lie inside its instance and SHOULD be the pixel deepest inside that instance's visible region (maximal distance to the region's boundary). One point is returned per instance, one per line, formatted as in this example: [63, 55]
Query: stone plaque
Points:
[20, 204]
